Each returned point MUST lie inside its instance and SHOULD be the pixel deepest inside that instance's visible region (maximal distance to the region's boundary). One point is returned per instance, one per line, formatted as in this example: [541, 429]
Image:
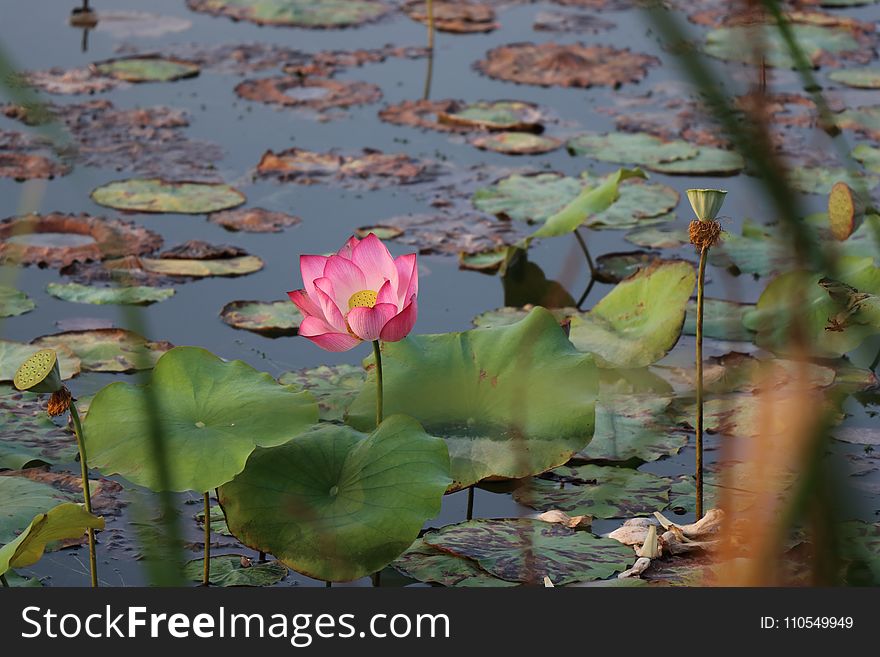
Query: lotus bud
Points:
[39, 373]
[706, 202]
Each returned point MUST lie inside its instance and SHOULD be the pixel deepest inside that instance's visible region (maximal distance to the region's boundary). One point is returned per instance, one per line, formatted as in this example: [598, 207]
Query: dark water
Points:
[38, 36]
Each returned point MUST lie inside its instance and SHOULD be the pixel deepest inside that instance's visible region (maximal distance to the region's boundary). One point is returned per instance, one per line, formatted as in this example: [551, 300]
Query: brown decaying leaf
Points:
[451, 233]
[253, 220]
[200, 250]
[110, 238]
[73, 81]
[326, 93]
[107, 498]
[423, 114]
[454, 16]
[557, 21]
[566, 65]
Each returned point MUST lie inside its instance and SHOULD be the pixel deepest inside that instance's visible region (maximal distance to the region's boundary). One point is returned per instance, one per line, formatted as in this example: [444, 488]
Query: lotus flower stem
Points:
[470, 503]
[699, 465]
[430, 8]
[377, 351]
[4, 582]
[262, 557]
[87, 493]
[328, 584]
[430, 72]
[206, 573]
[586, 251]
[377, 578]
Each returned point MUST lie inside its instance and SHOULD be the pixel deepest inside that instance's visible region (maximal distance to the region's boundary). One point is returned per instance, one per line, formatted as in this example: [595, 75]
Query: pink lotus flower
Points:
[359, 294]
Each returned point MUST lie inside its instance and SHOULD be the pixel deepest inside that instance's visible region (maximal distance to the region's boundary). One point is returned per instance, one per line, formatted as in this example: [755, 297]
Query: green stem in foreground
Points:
[87, 493]
[3, 581]
[377, 352]
[206, 572]
[586, 251]
[699, 466]
[470, 503]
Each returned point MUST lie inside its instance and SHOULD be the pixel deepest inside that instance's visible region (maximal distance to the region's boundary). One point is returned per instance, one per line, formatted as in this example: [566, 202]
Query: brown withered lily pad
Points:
[310, 92]
[253, 220]
[200, 250]
[516, 143]
[28, 166]
[270, 318]
[73, 81]
[371, 168]
[328, 62]
[512, 115]
[107, 498]
[599, 5]
[316, 14]
[454, 16]
[107, 350]
[57, 240]
[557, 21]
[423, 114]
[451, 233]
[566, 65]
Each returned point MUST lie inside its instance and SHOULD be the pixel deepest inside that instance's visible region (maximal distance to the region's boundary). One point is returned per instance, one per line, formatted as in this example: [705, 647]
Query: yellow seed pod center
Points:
[362, 299]
[35, 369]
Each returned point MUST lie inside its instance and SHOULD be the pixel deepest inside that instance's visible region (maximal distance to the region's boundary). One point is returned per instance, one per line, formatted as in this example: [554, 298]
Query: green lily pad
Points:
[616, 267]
[820, 180]
[64, 521]
[334, 387]
[29, 435]
[235, 266]
[484, 261]
[510, 401]
[516, 143]
[502, 115]
[722, 320]
[531, 198]
[22, 500]
[227, 570]
[860, 78]
[212, 415]
[599, 491]
[709, 161]
[335, 504]
[816, 41]
[13, 354]
[657, 237]
[869, 156]
[508, 315]
[107, 350]
[639, 203]
[218, 521]
[157, 195]
[838, 315]
[426, 563]
[136, 296]
[525, 550]
[640, 320]
[759, 250]
[13, 302]
[294, 13]
[631, 148]
[16, 581]
[864, 119]
[382, 232]
[269, 318]
[147, 69]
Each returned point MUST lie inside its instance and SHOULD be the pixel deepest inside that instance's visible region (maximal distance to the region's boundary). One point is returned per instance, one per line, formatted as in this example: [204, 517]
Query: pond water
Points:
[37, 34]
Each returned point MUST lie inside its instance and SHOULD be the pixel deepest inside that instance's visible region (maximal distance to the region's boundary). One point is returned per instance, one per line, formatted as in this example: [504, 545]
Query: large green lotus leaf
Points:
[107, 350]
[334, 387]
[13, 354]
[722, 320]
[426, 563]
[137, 295]
[507, 315]
[211, 413]
[869, 156]
[13, 302]
[640, 320]
[510, 401]
[336, 504]
[66, 520]
[815, 40]
[269, 318]
[22, 500]
[237, 266]
[599, 491]
[157, 195]
[631, 148]
[861, 78]
[227, 570]
[526, 550]
[633, 427]
[638, 204]
[28, 436]
[820, 180]
[297, 13]
[837, 315]
[147, 69]
[709, 161]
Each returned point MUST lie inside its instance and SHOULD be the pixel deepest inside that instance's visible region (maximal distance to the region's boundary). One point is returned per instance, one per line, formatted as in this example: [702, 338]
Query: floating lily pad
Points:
[236, 266]
[313, 93]
[658, 237]
[500, 115]
[335, 504]
[820, 180]
[57, 240]
[860, 542]
[864, 119]
[516, 143]
[157, 195]
[616, 267]
[334, 387]
[253, 220]
[294, 13]
[722, 320]
[709, 161]
[136, 295]
[525, 550]
[757, 251]
[371, 168]
[13, 302]
[869, 156]
[566, 65]
[631, 148]
[510, 401]
[424, 114]
[13, 354]
[107, 350]
[149, 68]
[213, 414]
[229, 570]
[599, 491]
[640, 320]
[30, 166]
[818, 43]
[22, 500]
[218, 521]
[507, 315]
[485, 261]
[426, 563]
[557, 21]
[127, 24]
[272, 319]
[861, 78]
[455, 16]
[452, 233]
[382, 232]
